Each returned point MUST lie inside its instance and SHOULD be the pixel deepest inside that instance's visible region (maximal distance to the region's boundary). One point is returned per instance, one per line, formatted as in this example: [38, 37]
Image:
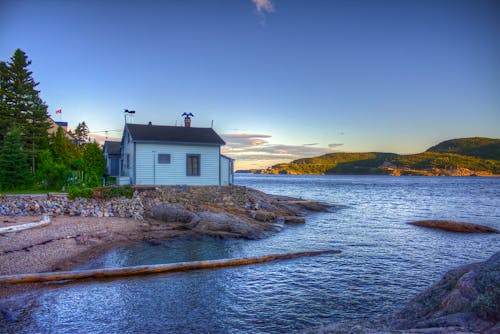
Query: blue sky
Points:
[281, 79]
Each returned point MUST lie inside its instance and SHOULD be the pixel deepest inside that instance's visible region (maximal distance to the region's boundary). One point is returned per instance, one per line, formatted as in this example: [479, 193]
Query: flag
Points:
[59, 111]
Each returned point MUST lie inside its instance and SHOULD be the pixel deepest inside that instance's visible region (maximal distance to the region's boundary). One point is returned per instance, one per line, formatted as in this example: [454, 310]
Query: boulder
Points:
[228, 225]
[468, 297]
[454, 226]
[465, 301]
[170, 212]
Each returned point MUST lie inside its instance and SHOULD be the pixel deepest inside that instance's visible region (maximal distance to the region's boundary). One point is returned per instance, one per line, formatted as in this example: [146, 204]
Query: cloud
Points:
[263, 6]
[238, 140]
[253, 150]
[245, 135]
[101, 138]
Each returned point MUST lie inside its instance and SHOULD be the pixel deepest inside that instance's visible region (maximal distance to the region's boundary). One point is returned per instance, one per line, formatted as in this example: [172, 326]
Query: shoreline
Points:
[87, 238]
[69, 242]
[165, 213]
[375, 174]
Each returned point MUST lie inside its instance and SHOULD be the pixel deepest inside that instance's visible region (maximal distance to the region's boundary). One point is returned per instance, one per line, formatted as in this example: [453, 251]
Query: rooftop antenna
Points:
[126, 111]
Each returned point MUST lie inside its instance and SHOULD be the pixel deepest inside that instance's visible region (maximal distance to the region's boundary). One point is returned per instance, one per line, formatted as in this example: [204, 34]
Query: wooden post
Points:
[153, 269]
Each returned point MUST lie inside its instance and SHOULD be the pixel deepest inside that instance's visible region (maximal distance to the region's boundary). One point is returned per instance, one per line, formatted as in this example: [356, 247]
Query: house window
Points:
[128, 161]
[193, 165]
[163, 158]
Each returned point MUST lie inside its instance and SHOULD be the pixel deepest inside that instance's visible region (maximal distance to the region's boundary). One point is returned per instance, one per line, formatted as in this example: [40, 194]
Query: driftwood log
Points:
[153, 269]
[16, 228]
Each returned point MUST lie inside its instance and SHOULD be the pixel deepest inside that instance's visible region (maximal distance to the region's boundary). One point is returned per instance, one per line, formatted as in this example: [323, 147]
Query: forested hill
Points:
[486, 148]
[459, 157]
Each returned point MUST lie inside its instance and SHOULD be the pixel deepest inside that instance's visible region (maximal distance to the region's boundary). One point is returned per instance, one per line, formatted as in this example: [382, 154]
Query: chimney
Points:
[187, 119]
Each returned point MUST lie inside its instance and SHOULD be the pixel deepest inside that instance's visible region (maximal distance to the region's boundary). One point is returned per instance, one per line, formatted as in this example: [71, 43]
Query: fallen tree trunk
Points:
[153, 269]
[16, 228]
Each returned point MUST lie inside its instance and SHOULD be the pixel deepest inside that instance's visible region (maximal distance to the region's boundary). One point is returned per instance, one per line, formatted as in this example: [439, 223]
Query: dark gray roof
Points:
[164, 133]
[113, 147]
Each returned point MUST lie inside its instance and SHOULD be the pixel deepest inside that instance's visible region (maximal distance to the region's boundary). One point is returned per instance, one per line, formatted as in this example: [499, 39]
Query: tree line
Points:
[32, 156]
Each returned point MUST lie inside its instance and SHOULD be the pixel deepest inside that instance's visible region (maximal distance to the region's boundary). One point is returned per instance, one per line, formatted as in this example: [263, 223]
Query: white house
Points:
[173, 155]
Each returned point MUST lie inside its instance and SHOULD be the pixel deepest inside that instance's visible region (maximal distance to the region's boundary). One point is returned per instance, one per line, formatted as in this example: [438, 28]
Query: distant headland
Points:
[475, 156]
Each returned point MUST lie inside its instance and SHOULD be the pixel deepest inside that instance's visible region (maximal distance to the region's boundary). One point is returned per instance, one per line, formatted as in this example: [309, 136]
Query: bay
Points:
[384, 262]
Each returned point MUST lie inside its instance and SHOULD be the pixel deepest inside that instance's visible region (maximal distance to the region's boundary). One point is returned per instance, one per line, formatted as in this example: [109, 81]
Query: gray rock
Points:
[467, 296]
[170, 212]
[263, 216]
[460, 320]
[225, 224]
[314, 206]
[466, 300]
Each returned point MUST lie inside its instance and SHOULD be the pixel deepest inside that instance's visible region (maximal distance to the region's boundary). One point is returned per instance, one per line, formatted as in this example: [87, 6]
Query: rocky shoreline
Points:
[83, 229]
[466, 300]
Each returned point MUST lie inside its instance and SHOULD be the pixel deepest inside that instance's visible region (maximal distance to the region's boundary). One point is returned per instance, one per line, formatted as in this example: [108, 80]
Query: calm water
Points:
[384, 262]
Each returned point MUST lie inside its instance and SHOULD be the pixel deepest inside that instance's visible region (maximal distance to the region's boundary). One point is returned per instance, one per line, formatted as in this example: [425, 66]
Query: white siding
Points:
[128, 149]
[150, 172]
[225, 172]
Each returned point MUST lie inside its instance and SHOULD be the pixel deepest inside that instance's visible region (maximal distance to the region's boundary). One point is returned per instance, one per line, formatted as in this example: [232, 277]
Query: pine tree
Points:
[22, 106]
[14, 168]
[6, 119]
[82, 134]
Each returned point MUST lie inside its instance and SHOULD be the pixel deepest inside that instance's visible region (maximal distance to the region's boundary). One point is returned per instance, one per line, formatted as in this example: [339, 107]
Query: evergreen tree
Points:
[57, 165]
[94, 164]
[22, 106]
[14, 168]
[63, 151]
[6, 119]
[82, 134]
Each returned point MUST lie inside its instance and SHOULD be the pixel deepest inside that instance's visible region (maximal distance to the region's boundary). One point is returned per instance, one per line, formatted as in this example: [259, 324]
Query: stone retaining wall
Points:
[60, 204]
[144, 198]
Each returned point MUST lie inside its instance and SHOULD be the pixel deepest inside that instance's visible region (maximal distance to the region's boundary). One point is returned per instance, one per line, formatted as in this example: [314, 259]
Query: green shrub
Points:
[75, 192]
[116, 191]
